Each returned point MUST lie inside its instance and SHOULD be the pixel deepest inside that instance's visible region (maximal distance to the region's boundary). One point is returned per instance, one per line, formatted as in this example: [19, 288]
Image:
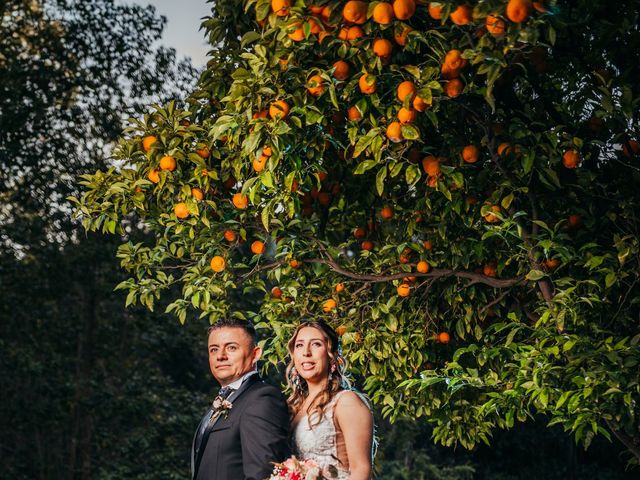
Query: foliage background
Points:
[91, 390]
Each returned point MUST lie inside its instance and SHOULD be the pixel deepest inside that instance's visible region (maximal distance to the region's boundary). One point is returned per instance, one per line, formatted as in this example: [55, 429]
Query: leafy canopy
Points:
[459, 199]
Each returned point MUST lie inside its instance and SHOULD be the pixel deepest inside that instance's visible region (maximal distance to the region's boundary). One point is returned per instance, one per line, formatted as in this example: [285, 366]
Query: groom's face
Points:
[232, 353]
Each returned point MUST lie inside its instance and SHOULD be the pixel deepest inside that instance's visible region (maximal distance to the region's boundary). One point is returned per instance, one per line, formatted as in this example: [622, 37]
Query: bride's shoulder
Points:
[349, 401]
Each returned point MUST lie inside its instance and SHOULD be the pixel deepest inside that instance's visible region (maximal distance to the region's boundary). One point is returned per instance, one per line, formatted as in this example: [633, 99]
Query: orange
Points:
[280, 7]
[339, 287]
[540, 6]
[631, 148]
[355, 32]
[293, 263]
[276, 292]
[367, 245]
[259, 163]
[386, 213]
[454, 60]
[168, 163]
[314, 26]
[419, 104]
[462, 15]
[148, 141]
[217, 264]
[329, 305]
[261, 114]
[552, 263]
[400, 36]
[574, 220]
[490, 269]
[322, 35]
[470, 154]
[570, 159]
[229, 235]
[296, 31]
[422, 267]
[326, 13]
[407, 115]
[324, 198]
[404, 290]
[240, 200]
[432, 181]
[427, 244]
[453, 88]
[382, 47]
[153, 175]
[404, 9]
[367, 83]
[315, 9]
[181, 210]
[406, 89]
[394, 132]
[279, 109]
[495, 25]
[354, 114]
[504, 149]
[197, 194]
[383, 13]
[443, 337]
[341, 330]
[315, 85]
[518, 10]
[431, 166]
[359, 232]
[257, 247]
[341, 70]
[203, 152]
[435, 10]
[267, 151]
[491, 216]
[355, 11]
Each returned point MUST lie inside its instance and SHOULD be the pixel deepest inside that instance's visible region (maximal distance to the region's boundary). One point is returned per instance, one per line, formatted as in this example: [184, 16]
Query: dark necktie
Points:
[224, 392]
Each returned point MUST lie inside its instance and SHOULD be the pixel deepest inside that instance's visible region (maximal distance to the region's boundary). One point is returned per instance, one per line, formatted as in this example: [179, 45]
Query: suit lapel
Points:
[201, 443]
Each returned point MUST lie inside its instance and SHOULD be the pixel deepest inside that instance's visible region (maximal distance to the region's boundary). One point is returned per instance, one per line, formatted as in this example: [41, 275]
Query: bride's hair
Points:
[336, 381]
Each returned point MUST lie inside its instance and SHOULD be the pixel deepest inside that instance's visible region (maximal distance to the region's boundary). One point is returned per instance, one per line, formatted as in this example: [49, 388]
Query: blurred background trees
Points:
[91, 390]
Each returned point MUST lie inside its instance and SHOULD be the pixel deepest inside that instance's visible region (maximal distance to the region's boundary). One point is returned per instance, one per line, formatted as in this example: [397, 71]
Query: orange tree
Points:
[453, 186]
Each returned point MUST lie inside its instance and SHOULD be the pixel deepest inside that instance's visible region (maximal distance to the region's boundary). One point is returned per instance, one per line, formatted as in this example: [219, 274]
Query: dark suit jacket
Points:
[245, 443]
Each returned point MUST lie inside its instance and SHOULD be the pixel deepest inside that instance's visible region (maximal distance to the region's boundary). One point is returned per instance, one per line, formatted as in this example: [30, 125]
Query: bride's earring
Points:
[331, 371]
[295, 379]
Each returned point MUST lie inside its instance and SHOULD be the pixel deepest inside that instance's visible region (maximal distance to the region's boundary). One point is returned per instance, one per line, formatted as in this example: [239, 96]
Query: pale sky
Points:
[182, 30]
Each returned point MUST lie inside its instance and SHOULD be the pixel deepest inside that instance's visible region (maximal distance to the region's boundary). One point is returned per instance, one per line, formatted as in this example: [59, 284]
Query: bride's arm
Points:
[356, 422]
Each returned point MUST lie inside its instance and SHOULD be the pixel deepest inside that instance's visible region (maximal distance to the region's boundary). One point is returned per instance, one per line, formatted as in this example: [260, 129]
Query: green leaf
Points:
[412, 174]
[380, 178]
[364, 166]
[535, 275]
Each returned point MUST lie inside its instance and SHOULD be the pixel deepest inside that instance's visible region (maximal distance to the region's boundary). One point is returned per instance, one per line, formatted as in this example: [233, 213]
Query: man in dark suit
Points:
[247, 426]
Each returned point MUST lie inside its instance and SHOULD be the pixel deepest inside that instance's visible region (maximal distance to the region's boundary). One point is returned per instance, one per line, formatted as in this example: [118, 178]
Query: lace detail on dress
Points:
[320, 442]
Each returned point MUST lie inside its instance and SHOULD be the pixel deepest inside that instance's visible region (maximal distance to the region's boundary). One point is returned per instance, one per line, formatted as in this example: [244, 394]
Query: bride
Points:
[331, 424]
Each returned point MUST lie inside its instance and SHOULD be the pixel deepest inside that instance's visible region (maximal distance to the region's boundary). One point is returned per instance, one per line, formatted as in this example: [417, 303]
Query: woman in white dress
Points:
[331, 424]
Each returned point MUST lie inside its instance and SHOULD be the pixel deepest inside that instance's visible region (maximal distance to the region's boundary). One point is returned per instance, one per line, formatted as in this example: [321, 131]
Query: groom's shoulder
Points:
[263, 387]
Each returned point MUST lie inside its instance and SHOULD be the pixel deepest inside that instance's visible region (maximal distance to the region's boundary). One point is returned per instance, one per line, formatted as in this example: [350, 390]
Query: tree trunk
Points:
[632, 443]
[81, 430]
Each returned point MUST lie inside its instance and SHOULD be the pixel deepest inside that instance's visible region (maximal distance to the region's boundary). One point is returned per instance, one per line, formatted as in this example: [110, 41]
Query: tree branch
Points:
[434, 273]
[632, 444]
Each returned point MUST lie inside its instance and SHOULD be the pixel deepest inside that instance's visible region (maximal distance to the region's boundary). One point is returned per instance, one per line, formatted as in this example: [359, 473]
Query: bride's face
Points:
[310, 355]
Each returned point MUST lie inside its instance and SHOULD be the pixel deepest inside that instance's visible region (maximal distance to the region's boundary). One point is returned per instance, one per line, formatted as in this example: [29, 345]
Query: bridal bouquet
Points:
[294, 469]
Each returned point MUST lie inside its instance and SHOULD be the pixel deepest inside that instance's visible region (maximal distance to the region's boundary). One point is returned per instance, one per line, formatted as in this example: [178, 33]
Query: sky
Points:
[182, 30]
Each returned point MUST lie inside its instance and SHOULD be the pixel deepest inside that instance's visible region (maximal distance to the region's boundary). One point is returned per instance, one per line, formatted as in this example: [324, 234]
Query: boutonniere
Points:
[220, 406]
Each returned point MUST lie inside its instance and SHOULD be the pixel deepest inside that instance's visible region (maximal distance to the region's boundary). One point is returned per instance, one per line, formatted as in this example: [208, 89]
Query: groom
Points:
[246, 428]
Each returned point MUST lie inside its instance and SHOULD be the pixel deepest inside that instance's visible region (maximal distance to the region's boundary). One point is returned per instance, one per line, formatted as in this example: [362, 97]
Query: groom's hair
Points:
[236, 323]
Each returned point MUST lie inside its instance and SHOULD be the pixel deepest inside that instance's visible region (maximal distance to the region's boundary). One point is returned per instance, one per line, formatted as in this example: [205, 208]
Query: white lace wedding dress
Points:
[322, 442]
